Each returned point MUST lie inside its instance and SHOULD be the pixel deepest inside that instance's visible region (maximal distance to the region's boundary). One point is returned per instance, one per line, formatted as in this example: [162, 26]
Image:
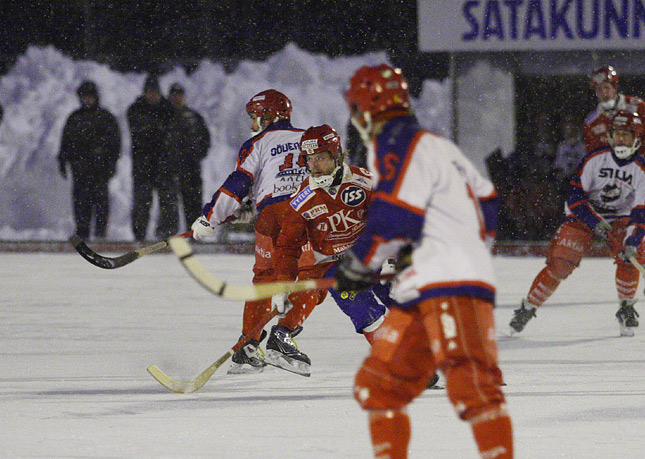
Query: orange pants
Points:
[571, 243]
[455, 335]
[267, 229]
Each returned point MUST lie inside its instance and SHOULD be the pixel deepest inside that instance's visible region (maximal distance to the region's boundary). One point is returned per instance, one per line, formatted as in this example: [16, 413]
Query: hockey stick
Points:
[194, 385]
[636, 264]
[249, 292]
[120, 261]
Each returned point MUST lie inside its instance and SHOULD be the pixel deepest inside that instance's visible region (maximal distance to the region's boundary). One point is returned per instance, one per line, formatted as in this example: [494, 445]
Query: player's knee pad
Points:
[376, 388]
[473, 388]
[560, 268]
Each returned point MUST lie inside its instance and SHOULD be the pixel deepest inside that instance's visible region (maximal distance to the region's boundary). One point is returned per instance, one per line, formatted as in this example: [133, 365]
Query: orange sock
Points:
[369, 336]
[543, 287]
[253, 312]
[390, 431]
[493, 434]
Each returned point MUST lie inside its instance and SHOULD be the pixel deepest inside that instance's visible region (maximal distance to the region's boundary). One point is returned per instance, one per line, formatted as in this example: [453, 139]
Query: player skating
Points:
[606, 199]
[604, 82]
[424, 196]
[269, 168]
[328, 211]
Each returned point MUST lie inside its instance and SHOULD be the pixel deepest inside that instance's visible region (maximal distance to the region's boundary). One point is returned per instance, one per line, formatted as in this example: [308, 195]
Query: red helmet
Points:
[269, 105]
[377, 89]
[602, 74]
[318, 139]
[629, 121]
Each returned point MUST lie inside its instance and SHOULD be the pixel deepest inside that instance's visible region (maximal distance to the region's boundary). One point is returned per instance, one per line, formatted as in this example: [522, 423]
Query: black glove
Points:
[62, 168]
[352, 275]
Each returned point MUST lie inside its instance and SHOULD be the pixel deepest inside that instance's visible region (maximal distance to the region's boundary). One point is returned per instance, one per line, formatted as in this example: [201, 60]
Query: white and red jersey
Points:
[330, 218]
[607, 187]
[269, 166]
[596, 125]
[428, 195]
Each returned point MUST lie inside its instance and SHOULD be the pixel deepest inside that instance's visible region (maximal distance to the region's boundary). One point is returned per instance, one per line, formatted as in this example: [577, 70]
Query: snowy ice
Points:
[76, 341]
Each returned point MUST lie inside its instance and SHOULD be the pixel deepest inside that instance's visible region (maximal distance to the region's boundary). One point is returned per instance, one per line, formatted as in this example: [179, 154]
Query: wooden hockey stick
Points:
[195, 384]
[638, 266]
[120, 261]
[248, 292]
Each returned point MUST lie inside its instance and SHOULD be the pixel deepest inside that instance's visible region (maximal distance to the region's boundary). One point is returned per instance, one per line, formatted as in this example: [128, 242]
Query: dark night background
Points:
[154, 36]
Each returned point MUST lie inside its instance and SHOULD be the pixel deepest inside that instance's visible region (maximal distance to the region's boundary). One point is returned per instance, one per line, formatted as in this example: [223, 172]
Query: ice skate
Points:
[282, 352]
[627, 317]
[248, 359]
[522, 316]
[434, 383]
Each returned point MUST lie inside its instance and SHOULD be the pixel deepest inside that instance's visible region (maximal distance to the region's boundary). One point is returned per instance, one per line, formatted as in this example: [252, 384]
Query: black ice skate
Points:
[248, 359]
[434, 382]
[627, 317]
[282, 351]
[522, 316]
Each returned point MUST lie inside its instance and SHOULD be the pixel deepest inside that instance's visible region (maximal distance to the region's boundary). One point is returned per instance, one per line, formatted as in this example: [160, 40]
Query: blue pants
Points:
[361, 307]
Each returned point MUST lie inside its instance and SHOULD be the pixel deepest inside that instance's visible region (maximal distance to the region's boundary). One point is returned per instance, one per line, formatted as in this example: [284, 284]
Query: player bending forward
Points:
[606, 199]
[329, 211]
[425, 195]
[269, 168]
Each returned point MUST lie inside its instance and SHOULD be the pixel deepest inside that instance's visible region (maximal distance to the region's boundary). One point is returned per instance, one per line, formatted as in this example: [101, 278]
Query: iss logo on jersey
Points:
[353, 196]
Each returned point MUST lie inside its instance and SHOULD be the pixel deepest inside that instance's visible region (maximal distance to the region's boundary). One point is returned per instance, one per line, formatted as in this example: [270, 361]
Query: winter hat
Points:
[151, 84]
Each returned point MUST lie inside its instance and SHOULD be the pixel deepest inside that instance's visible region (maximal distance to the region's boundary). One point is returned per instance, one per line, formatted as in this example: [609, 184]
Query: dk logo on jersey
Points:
[353, 196]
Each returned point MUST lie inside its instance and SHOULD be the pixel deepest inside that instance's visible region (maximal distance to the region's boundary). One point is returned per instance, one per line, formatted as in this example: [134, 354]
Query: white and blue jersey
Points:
[428, 193]
[269, 167]
[606, 187]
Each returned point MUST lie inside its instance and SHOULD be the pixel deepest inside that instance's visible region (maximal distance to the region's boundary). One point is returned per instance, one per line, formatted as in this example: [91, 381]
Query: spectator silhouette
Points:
[152, 164]
[90, 147]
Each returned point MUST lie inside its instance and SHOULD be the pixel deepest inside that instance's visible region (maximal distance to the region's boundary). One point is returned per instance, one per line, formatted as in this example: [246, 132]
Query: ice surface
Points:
[76, 341]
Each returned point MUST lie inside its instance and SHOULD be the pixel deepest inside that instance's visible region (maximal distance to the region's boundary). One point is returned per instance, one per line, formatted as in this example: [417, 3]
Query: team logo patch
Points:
[301, 198]
[353, 196]
[315, 211]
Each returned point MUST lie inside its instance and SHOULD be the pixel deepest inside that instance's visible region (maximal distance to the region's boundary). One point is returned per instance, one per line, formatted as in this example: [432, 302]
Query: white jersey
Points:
[427, 194]
[269, 167]
[605, 186]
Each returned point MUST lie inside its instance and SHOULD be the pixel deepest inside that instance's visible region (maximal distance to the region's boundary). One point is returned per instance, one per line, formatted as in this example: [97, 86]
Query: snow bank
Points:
[40, 92]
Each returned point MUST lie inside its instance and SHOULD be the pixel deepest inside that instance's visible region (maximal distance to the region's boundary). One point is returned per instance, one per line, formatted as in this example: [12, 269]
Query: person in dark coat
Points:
[189, 141]
[90, 147]
[152, 162]
[356, 151]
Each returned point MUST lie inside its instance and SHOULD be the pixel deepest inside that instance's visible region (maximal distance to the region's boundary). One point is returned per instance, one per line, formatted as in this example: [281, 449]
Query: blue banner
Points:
[538, 25]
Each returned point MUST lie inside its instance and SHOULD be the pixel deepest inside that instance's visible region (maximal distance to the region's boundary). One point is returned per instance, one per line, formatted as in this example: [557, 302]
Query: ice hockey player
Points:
[604, 82]
[269, 168]
[606, 200]
[444, 317]
[328, 211]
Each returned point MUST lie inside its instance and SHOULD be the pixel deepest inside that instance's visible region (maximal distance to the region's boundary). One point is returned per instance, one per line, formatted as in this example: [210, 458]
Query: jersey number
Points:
[288, 162]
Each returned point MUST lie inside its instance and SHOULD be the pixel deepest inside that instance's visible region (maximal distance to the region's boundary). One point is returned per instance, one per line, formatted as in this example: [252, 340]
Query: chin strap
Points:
[325, 181]
[363, 130]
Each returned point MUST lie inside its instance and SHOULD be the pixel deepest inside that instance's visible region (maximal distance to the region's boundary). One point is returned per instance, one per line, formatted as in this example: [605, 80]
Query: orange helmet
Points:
[377, 89]
[322, 139]
[319, 139]
[269, 105]
[602, 74]
[629, 121]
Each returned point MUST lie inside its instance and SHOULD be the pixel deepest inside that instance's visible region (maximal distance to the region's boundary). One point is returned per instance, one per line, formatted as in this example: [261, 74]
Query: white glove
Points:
[244, 215]
[202, 229]
[280, 302]
[602, 229]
